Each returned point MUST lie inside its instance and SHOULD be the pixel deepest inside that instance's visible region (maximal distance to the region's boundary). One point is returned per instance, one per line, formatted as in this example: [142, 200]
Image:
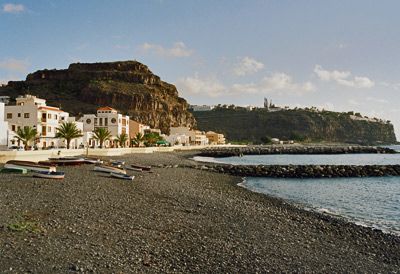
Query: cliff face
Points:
[128, 86]
[255, 126]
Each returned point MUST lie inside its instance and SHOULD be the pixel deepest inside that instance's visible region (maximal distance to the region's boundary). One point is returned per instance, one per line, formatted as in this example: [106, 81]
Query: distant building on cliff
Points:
[201, 108]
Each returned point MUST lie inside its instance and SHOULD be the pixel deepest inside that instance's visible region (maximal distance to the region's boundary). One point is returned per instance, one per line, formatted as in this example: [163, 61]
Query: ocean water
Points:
[372, 202]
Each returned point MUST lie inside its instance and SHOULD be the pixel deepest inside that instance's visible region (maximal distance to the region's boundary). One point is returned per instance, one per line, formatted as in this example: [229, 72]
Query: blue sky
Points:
[337, 55]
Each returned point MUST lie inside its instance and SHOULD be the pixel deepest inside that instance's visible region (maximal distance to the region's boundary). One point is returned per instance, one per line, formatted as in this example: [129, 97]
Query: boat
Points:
[122, 176]
[92, 160]
[145, 168]
[49, 175]
[67, 161]
[14, 170]
[134, 169]
[118, 163]
[29, 166]
[108, 169]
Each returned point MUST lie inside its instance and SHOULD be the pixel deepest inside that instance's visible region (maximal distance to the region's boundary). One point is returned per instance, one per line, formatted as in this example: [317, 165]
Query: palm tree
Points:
[101, 134]
[121, 139]
[68, 131]
[26, 135]
[138, 139]
[151, 138]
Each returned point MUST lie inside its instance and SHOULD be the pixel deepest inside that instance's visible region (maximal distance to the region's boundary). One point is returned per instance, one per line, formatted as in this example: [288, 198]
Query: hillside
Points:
[303, 125]
[128, 86]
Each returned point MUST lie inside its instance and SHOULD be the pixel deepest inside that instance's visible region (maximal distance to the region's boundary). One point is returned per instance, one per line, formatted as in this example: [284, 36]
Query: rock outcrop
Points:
[128, 86]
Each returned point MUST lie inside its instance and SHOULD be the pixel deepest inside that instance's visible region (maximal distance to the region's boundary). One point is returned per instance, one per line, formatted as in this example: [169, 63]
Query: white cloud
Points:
[247, 65]
[275, 83]
[14, 65]
[13, 8]
[196, 85]
[179, 49]
[343, 78]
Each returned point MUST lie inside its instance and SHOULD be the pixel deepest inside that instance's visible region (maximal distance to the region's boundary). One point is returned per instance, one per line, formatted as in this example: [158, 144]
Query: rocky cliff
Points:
[128, 86]
[259, 125]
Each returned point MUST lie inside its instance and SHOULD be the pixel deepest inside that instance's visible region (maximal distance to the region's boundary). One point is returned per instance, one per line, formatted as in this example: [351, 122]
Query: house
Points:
[109, 118]
[178, 139]
[215, 138]
[196, 137]
[30, 111]
[136, 127]
[3, 129]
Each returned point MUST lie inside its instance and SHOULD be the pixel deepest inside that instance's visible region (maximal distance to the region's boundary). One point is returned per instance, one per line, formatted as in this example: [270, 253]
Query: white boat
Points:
[122, 176]
[108, 169]
[117, 163]
[32, 166]
[49, 175]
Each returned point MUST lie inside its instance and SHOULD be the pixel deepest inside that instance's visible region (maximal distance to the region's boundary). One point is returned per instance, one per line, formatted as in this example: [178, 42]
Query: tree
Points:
[121, 139]
[26, 135]
[68, 131]
[151, 138]
[138, 140]
[102, 135]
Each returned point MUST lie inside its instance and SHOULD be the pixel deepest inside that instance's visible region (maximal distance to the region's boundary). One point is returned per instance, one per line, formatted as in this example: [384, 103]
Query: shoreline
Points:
[176, 220]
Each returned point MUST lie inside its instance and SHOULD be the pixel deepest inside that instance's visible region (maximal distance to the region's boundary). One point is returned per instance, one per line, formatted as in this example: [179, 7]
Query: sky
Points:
[338, 55]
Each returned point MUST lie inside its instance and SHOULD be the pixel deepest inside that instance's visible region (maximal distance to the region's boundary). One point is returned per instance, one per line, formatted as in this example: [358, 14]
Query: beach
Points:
[175, 219]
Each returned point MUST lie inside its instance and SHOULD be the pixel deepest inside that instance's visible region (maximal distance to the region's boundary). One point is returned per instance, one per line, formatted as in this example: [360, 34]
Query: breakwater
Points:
[291, 149]
[302, 171]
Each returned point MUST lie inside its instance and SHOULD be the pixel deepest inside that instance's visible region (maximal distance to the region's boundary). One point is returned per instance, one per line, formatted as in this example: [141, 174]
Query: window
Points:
[100, 121]
[49, 129]
[18, 127]
[56, 117]
[49, 116]
[9, 115]
[88, 121]
[113, 120]
[106, 121]
[13, 127]
[26, 115]
[44, 130]
[62, 118]
[19, 115]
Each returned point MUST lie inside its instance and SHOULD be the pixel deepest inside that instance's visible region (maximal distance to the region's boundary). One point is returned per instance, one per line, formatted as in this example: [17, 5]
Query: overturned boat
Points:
[108, 169]
[32, 166]
[144, 168]
[49, 175]
[67, 161]
[122, 176]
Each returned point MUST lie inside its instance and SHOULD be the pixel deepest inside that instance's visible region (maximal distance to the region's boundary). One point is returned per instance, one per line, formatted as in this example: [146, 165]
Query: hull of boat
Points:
[134, 169]
[122, 176]
[29, 166]
[50, 175]
[145, 168]
[109, 169]
[14, 170]
[67, 161]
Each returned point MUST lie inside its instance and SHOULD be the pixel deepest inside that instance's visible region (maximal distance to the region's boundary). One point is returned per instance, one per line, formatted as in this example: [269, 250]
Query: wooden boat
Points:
[145, 168]
[122, 176]
[67, 161]
[117, 163]
[134, 169]
[29, 166]
[109, 169]
[49, 175]
[14, 170]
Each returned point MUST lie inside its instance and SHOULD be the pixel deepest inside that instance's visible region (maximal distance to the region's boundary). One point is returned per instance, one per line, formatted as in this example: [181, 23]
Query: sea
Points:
[371, 201]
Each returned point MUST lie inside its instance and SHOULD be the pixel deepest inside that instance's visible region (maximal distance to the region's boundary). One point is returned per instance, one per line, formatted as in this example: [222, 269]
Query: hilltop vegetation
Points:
[259, 125]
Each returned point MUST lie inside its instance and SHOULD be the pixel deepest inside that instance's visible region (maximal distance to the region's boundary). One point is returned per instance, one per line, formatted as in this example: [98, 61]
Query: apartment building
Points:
[109, 118]
[136, 127]
[30, 111]
[3, 128]
[215, 138]
[196, 137]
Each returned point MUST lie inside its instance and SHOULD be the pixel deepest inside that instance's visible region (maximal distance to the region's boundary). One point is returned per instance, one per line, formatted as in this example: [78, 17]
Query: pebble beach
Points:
[174, 219]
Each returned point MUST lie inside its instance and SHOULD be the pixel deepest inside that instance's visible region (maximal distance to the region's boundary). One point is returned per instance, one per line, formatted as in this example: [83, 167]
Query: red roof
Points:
[51, 108]
[105, 108]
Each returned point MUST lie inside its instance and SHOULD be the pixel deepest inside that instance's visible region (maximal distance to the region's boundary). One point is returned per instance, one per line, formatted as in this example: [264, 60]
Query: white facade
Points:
[178, 139]
[3, 128]
[33, 112]
[108, 118]
[196, 137]
[201, 108]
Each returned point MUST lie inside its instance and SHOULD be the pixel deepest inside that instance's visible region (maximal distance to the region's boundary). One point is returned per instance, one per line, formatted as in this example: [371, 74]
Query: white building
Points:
[109, 118]
[31, 111]
[178, 139]
[201, 108]
[196, 137]
[3, 128]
